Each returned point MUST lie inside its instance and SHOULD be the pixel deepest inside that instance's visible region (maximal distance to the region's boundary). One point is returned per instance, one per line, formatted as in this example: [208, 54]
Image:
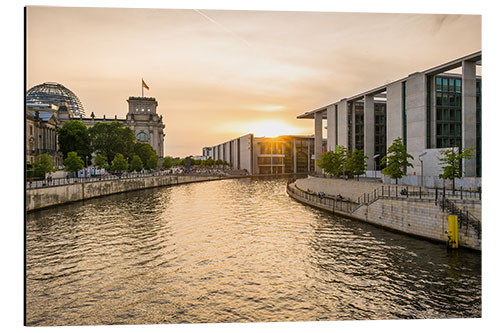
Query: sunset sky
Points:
[219, 74]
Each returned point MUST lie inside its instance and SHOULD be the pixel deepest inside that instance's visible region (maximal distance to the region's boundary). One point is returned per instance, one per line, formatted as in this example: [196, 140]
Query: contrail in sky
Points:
[223, 27]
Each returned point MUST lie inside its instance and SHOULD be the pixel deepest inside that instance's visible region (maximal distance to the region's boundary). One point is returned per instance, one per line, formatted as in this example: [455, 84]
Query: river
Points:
[236, 250]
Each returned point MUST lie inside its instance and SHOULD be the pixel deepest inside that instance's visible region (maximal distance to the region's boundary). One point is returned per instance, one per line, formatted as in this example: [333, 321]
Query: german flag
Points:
[144, 85]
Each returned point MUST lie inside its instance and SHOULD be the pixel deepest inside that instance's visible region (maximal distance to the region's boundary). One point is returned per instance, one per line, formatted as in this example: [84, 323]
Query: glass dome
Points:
[57, 94]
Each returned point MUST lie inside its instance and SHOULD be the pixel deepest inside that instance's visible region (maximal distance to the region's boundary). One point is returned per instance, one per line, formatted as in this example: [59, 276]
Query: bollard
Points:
[452, 232]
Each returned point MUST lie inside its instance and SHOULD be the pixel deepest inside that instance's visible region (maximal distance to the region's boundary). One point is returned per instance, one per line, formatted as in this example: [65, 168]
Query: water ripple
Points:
[233, 251]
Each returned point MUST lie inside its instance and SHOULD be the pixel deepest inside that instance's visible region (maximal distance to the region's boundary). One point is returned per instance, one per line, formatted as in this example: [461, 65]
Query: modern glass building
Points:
[434, 109]
[286, 154]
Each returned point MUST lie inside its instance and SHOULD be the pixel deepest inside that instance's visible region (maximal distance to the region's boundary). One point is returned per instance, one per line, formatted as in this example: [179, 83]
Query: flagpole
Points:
[142, 85]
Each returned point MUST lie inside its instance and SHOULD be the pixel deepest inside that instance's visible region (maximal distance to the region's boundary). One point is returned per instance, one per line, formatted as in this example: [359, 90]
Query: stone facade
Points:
[41, 133]
[142, 118]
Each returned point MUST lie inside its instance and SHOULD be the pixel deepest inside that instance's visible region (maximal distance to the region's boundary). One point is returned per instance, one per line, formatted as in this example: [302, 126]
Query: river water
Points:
[237, 250]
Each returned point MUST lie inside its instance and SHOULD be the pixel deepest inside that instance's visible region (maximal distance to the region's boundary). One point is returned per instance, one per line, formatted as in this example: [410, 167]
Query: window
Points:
[31, 130]
[142, 137]
[439, 84]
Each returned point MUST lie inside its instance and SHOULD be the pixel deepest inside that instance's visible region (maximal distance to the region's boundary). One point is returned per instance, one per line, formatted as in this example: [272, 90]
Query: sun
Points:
[272, 128]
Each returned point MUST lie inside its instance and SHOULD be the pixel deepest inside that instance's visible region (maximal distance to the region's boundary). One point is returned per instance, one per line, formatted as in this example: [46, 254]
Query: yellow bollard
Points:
[452, 231]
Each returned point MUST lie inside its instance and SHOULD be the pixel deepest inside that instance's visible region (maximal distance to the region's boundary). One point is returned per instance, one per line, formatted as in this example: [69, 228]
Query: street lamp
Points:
[422, 167]
[375, 160]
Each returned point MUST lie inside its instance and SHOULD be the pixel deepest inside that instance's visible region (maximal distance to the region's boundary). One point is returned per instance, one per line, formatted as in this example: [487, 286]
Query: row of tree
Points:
[112, 143]
[343, 162]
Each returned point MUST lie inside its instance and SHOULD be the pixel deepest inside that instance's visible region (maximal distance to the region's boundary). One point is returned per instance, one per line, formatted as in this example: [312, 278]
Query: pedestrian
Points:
[30, 180]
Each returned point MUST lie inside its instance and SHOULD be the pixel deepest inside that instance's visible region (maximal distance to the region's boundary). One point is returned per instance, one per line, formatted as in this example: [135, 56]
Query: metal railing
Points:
[465, 219]
[406, 192]
[70, 181]
[333, 203]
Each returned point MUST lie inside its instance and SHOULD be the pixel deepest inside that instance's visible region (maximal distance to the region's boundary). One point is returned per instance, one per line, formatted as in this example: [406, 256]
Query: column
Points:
[294, 156]
[394, 112]
[318, 139]
[331, 127]
[369, 130]
[155, 140]
[342, 123]
[353, 124]
[433, 126]
[283, 158]
[469, 114]
[308, 156]
[416, 118]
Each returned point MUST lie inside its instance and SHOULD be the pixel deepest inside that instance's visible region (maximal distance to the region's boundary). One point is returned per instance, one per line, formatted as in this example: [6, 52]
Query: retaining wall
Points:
[420, 218]
[56, 195]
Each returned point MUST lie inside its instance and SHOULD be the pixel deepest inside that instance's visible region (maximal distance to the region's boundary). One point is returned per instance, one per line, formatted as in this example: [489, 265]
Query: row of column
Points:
[415, 103]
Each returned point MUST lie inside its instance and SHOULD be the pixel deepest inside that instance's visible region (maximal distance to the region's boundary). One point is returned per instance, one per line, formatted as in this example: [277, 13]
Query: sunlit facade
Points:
[286, 154]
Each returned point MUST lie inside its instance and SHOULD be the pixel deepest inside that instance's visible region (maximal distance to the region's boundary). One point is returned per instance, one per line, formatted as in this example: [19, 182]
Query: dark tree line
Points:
[107, 141]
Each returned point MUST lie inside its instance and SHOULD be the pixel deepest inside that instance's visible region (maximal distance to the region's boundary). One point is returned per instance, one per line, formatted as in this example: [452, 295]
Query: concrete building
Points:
[286, 154]
[429, 110]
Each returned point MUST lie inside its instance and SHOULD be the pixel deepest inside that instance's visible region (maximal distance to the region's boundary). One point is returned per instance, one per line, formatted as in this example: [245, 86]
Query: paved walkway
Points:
[351, 189]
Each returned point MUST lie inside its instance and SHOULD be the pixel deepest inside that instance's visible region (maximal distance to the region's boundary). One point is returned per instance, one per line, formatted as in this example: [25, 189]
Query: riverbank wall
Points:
[56, 195]
[423, 218]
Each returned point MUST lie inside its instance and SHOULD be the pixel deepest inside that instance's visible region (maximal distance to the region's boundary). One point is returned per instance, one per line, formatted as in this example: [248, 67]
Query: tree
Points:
[136, 163]
[210, 162]
[100, 160]
[119, 163]
[396, 160]
[167, 163]
[152, 162]
[144, 151]
[332, 162]
[357, 163]
[451, 163]
[73, 162]
[43, 164]
[74, 136]
[112, 138]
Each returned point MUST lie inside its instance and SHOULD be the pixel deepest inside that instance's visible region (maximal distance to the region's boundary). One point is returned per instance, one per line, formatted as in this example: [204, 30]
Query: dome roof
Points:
[57, 94]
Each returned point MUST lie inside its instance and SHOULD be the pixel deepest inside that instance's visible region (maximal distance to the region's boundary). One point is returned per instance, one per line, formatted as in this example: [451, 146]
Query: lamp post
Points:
[375, 161]
[422, 167]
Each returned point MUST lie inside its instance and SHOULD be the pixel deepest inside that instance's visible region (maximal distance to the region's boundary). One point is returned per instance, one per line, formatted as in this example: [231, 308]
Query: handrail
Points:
[71, 181]
[463, 215]
[333, 203]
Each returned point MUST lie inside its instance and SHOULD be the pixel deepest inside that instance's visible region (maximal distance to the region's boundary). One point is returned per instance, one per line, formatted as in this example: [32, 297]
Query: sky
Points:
[221, 74]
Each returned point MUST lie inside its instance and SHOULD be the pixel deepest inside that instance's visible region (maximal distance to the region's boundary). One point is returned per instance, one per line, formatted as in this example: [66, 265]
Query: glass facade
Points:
[358, 122]
[449, 115]
[448, 112]
[380, 133]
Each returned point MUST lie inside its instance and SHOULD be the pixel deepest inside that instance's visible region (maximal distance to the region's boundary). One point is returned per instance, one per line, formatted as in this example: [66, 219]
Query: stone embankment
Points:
[416, 214]
[38, 198]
